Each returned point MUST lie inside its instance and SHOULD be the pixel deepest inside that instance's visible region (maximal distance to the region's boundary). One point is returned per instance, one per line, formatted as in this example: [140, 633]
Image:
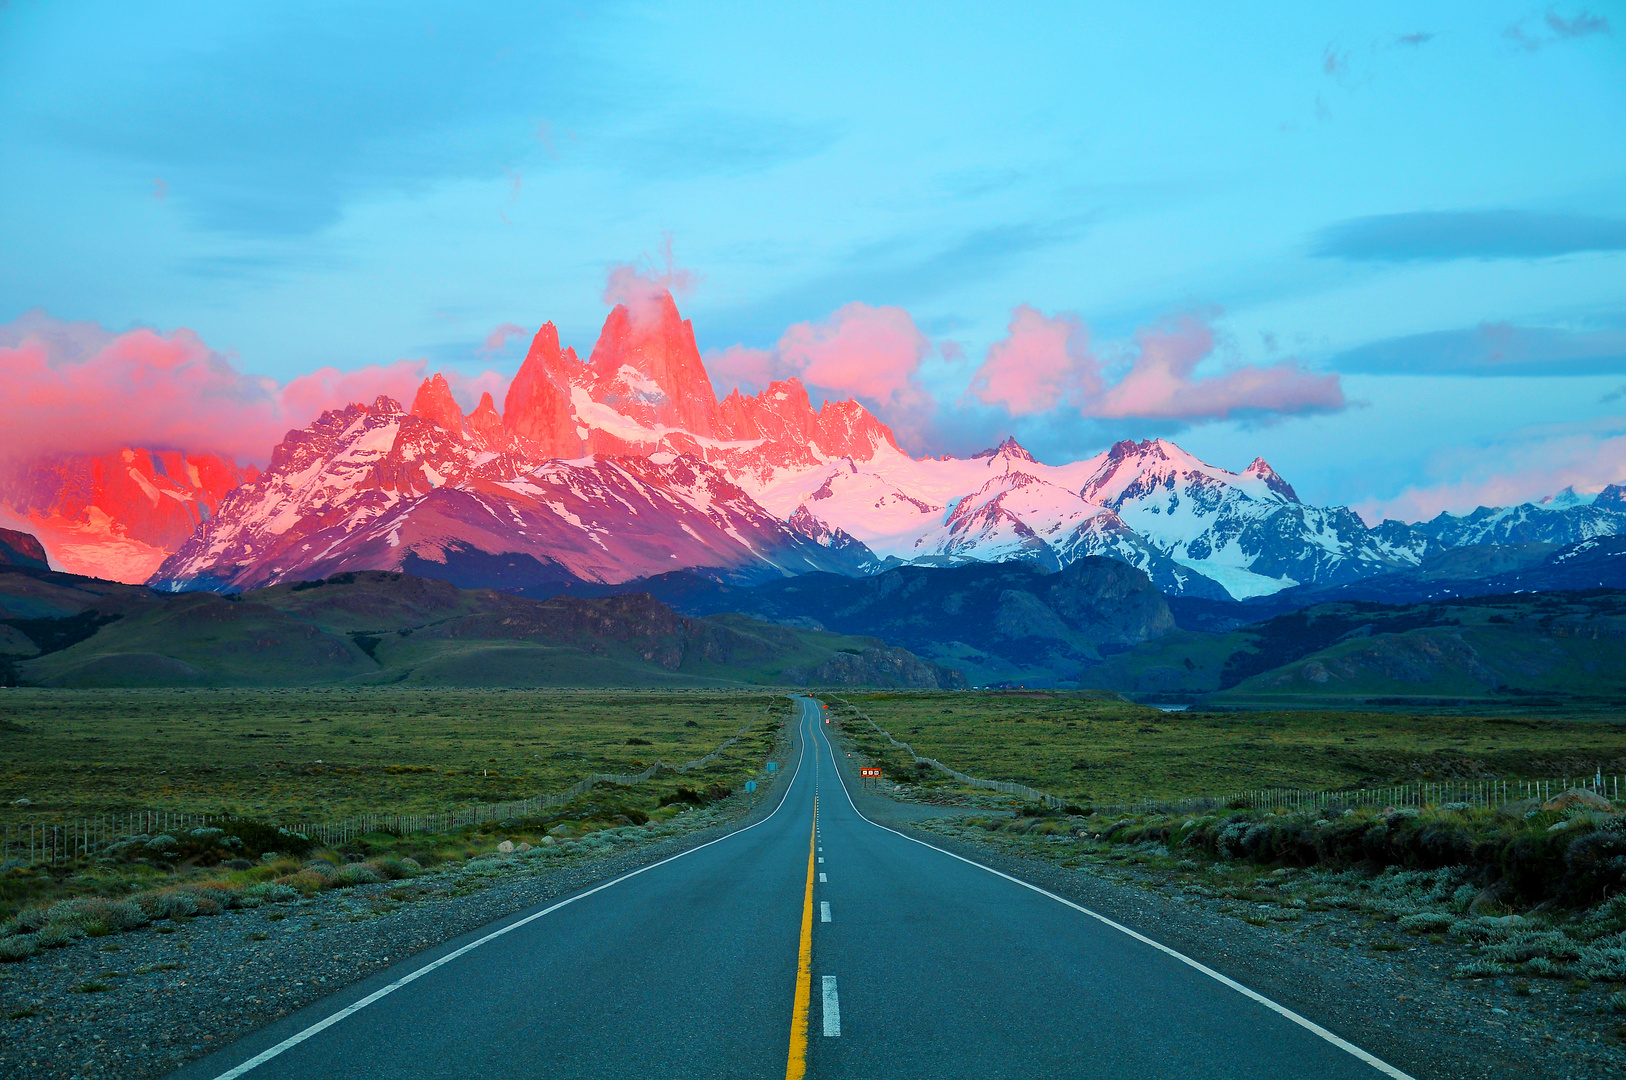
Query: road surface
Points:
[814, 943]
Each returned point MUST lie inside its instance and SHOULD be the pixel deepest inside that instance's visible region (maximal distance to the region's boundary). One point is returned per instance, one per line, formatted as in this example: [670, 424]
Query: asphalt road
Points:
[695, 967]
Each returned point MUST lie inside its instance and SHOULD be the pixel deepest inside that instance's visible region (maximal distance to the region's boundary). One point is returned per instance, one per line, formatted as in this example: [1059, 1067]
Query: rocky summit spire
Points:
[538, 408]
[435, 402]
[646, 365]
[1260, 469]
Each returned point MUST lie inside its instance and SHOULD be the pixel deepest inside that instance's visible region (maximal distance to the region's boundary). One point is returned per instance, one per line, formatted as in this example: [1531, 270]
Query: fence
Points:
[86, 837]
[1009, 787]
[1487, 793]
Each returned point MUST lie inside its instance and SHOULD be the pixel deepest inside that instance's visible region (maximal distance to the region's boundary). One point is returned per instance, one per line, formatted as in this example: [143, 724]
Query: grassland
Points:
[314, 754]
[1089, 747]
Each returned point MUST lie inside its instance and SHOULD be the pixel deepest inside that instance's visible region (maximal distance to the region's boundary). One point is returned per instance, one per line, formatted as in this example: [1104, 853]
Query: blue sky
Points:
[1428, 200]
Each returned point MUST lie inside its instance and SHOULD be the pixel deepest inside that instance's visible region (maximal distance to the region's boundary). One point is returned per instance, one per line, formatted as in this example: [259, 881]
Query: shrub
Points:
[19, 947]
[307, 881]
[1594, 865]
[161, 846]
[169, 904]
[357, 874]
[56, 935]
[98, 916]
[272, 892]
[1427, 922]
[1521, 947]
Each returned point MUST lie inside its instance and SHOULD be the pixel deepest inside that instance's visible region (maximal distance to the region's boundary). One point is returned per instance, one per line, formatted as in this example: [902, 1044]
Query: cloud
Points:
[1581, 25]
[1526, 465]
[76, 388]
[1482, 234]
[870, 353]
[1040, 362]
[497, 340]
[644, 289]
[1043, 362]
[901, 270]
[1491, 349]
[1414, 39]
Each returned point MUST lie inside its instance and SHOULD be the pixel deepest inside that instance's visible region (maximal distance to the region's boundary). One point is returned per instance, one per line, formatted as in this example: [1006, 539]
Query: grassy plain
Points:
[314, 754]
[1089, 747]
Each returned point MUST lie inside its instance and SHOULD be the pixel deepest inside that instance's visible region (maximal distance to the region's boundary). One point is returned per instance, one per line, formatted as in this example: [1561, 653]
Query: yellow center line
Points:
[796, 1066]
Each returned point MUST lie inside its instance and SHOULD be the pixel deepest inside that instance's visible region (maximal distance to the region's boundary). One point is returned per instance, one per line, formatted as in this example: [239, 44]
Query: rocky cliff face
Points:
[22, 549]
[116, 516]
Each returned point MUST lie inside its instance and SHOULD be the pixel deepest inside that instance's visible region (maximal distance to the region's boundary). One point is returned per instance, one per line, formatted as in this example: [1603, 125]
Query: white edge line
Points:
[322, 1025]
[1282, 1010]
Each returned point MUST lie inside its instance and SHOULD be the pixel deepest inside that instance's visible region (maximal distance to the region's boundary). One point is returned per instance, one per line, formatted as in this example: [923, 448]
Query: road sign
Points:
[869, 770]
[750, 785]
[773, 766]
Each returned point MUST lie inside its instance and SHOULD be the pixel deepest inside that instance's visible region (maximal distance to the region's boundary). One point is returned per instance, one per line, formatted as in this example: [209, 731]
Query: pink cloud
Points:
[869, 353]
[498, 338]
[74, 388]
[1528, 465]
[1044, 361]
[644, 290]
[739, 366]
[1041, 361]
[872, 353]
[1160, 383]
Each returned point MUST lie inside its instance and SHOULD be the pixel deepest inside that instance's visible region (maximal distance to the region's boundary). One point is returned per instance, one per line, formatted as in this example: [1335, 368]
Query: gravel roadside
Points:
[143, 1003]
[1344, 971]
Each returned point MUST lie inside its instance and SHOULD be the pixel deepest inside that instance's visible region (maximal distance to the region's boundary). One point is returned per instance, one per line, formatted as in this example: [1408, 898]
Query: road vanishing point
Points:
[812, 942]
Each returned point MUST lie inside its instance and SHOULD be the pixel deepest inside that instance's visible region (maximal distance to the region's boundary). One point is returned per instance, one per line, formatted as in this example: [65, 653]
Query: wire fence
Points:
[1483, 793]
[88, 837]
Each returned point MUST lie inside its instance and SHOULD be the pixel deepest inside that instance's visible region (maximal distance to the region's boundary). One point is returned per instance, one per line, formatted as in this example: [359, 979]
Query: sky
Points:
[1381, 245]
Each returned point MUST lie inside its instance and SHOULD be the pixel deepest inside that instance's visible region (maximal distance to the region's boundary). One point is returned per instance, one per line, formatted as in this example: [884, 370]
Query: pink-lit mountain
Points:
[628, 466]
[116, 516]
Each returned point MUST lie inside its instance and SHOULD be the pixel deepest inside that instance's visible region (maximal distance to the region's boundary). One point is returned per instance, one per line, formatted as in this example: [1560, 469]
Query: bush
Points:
[1594, 866]
[170, 904]
[272, 892]
[357, 874]
[1427, 922]
[98, 916]
[56, 935]
[20, 947]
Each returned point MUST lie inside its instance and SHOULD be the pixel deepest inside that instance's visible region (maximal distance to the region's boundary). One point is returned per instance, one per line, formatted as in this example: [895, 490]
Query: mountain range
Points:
[374, 628]
[627, 466]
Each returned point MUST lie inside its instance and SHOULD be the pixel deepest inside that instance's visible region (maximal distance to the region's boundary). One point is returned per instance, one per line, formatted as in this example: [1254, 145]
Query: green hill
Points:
[376, 628]
[1560, 647]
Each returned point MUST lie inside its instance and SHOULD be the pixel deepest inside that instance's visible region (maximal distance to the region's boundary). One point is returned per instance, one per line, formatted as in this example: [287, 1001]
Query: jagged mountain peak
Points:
[434, 402]
[647, 366]
[1259, 469]
[1010, 448]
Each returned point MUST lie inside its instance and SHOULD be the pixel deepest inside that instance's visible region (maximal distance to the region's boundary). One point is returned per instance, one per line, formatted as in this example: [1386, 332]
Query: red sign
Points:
[869, 770]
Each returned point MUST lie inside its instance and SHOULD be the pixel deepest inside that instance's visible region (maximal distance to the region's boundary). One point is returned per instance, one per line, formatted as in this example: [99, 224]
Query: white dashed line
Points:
[821, 858]
[824, 911]
[821, 876]
[832, 1007]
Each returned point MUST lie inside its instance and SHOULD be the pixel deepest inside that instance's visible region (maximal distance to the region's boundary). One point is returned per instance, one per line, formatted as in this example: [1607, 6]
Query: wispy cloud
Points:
[1469, 234]
[1491, 349]
[1532, 35]
[1524, 465]
[498, 339]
